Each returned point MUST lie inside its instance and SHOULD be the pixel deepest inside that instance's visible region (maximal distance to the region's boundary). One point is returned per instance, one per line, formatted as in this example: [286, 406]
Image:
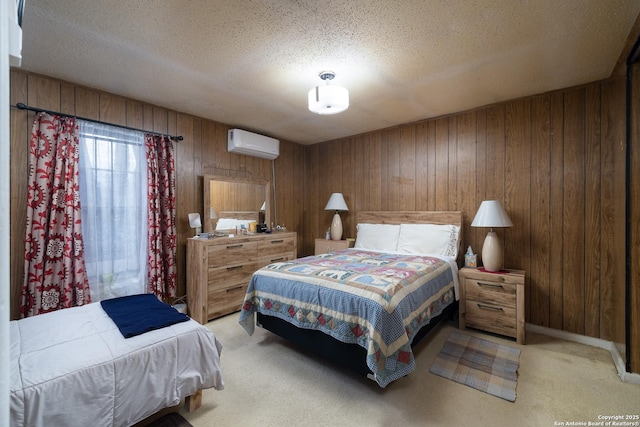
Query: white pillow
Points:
[232, 223]
[377, 237]
[225, 224]
[437, 239]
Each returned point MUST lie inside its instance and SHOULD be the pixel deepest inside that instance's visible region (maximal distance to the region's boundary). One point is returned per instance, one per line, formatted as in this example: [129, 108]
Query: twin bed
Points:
[364, 307]
[74, 367]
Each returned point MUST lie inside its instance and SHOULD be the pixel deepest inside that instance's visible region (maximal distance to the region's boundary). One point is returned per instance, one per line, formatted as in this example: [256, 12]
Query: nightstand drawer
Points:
[325, 246]
[491, 317]
[496, 293]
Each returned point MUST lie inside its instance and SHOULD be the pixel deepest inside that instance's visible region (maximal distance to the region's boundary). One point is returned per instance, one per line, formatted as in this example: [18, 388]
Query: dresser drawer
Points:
[490, 292]
[221, 302]
[230, 276]
[275, 246]
[491, 317]
[231, 252]
[275, 258]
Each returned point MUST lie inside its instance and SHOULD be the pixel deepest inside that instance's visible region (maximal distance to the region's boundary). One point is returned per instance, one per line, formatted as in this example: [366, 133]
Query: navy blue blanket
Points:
[137, 314]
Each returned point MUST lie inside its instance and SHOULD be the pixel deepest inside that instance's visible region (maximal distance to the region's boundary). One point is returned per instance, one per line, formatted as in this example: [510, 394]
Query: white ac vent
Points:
[253, 144]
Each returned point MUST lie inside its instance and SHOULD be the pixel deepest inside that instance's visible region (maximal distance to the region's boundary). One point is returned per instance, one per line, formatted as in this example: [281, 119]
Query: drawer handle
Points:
[491, 285]
[234, 288]
[277, 259]
[235, 267]
[234, 246]
[277, 241]
[489, 307]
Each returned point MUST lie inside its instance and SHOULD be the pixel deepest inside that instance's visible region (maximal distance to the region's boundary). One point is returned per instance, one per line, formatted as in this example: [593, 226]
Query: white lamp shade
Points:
[328, 99]
[491, 214]
[194, 220]
[264, 206]
[336, 203]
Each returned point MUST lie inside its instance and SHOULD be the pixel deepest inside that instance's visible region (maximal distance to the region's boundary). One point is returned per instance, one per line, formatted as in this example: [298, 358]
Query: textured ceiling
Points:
[250, 64]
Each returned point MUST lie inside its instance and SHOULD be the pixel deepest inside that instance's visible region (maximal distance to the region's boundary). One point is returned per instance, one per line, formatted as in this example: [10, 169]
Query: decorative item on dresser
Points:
[493, 302]
[324, 246]
[219, 269]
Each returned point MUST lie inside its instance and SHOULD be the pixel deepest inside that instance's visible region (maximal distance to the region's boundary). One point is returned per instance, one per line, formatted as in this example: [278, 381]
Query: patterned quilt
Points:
[376, 300]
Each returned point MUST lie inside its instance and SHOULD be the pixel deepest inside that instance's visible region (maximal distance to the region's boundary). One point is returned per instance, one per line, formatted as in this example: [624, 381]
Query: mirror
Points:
[235, 198]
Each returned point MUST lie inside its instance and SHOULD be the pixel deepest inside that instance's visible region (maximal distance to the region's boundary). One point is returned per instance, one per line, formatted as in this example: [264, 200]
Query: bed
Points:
[73, 367]
[368, 306]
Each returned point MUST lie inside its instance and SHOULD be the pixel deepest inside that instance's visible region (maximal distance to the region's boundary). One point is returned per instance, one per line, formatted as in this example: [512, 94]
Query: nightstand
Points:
[324, 246]
[493, 302]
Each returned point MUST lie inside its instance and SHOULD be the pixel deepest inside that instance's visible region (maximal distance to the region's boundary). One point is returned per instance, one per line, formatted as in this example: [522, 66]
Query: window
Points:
[113, 198]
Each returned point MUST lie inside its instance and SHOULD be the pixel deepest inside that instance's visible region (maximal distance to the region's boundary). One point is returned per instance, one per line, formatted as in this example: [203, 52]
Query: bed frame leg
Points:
[194, 401]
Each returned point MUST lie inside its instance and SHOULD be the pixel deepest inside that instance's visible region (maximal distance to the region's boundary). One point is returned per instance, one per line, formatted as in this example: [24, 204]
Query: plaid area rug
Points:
[483, 365]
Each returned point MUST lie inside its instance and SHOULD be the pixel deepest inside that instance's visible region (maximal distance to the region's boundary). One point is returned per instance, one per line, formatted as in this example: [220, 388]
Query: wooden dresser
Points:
[219, 269]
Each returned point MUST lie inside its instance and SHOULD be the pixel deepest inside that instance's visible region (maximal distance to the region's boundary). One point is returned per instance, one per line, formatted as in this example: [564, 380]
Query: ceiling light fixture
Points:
[328, 99]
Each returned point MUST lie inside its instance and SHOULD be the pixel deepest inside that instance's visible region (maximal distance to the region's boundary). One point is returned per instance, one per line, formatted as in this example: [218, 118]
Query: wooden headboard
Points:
[410, 217]
[415, 217]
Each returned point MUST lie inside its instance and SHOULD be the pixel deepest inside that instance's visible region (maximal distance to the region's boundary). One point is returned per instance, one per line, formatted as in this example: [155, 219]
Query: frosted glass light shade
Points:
[328, 99]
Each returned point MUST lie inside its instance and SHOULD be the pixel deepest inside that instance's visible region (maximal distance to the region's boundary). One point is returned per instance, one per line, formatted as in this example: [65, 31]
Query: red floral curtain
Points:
[161, 269]
[55, 275]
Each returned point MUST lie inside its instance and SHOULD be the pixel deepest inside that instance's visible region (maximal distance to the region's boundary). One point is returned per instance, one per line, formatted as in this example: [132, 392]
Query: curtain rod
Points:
[22, 106]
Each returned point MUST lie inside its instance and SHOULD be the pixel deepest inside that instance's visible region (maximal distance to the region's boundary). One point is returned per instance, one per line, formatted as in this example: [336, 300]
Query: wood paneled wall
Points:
[203, 151]
[555, 161]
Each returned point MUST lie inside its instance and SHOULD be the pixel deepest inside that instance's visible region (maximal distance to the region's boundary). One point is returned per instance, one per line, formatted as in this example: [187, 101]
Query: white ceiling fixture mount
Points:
[328, 99]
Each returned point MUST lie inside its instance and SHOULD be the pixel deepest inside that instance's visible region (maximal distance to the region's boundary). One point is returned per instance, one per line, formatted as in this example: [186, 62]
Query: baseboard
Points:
[594, 342]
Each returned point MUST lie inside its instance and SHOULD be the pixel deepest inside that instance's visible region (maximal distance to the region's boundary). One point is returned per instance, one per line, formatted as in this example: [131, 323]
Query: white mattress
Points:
[73, 367]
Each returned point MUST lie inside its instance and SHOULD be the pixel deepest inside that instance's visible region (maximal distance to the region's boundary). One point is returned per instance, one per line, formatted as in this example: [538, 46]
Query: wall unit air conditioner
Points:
[252, 144]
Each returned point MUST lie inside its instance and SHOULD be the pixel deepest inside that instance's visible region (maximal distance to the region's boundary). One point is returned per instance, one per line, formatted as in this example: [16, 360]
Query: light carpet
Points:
[480, 364]
[269, 382]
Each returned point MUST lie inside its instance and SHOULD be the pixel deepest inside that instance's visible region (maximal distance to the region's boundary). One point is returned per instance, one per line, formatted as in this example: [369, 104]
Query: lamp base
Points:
[336, 227]
[492, 257]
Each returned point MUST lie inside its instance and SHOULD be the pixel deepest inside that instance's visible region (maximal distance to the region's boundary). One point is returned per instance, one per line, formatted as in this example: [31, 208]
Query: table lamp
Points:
[336, 203]
[194, 222]
[491, 214]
